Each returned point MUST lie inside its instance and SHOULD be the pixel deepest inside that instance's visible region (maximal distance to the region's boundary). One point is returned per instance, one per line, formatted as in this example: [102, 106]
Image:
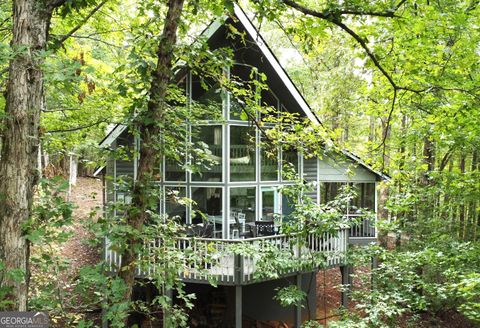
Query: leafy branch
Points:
[59, 43]
[334, 18]
[81, 127]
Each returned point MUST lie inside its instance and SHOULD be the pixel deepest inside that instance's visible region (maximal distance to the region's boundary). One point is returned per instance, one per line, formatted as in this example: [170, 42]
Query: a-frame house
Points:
[239, 194]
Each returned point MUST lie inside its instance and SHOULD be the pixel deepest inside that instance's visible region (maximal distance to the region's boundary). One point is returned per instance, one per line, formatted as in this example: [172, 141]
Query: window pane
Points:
[207, 98]
[269, 162]
[287, 208]
[269, 204]
[208, 163]
[365, 197]
[241, 75]
[124, 154]
[174, 163]
[209, 202]
[173, 170]
[242, 153]
[290, 161]
[270, 107]
[242, 200]
[329, 190]
[242, 212]
[173, 207]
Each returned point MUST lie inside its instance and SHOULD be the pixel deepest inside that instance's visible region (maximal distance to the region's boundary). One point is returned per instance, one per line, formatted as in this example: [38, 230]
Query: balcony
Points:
[363, 230]
[243, 261]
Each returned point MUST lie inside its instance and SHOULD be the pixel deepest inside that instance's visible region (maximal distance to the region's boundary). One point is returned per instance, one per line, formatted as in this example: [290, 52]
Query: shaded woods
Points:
[396, 83]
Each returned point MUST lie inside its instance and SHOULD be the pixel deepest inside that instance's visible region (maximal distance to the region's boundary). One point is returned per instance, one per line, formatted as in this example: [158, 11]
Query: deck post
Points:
[238, 268]
[104, 320]
[345, 270]
[238, 306]
[298, 307]
[166, 320]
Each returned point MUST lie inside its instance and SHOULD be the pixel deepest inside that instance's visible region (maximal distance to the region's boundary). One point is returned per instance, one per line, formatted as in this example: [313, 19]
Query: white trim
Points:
[212, 28]
[98, 171]
[113, 135]
[357, 160]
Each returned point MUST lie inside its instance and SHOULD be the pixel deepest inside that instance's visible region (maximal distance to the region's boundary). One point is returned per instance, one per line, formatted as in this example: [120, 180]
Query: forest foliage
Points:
[396, 82]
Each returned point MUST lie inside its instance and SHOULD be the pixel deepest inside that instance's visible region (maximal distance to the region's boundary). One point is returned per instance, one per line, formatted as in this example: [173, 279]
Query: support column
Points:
[104, 321]
[238, 306]
[298, 307]
[166, 320]
[346, 281]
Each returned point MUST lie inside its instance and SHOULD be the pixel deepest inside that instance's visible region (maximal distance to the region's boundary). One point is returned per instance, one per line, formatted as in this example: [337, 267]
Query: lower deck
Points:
[235, 306]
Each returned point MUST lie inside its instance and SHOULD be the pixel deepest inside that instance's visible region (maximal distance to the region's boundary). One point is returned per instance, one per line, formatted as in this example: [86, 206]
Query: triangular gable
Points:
[112, 135]
[276, 69]
[273, 61]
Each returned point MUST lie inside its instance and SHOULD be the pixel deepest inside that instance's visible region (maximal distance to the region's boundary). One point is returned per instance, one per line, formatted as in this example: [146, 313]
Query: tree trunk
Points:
[149, 124]
[428, 158]
[474, 203]
[20, 140]
[401, 166]
[383, 197]
[371, 133]
[461, 205]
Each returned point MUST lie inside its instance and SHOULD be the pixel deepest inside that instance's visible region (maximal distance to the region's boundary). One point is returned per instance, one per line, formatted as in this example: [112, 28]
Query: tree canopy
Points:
[396, 82]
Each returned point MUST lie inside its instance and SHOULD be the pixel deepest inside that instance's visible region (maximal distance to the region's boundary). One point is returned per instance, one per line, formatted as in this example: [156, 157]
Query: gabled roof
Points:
[112, 135]
[277, 70]
[272, 60]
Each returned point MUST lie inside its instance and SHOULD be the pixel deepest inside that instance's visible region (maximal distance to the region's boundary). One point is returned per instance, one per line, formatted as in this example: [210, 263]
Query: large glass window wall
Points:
[229, 196]
[175, 204]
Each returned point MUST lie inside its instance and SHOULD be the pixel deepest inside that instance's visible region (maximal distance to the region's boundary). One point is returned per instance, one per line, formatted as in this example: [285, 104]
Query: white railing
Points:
[242, 261]
[364, 227]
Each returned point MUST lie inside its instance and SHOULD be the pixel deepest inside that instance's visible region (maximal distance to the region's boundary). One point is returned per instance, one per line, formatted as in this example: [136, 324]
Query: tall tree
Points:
[149, 124]
[20, 137]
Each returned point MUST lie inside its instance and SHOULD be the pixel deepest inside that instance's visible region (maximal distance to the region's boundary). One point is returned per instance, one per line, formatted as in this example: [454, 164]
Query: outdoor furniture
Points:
[237, 221]
[264, 228]
[216, 221]
[240, 223]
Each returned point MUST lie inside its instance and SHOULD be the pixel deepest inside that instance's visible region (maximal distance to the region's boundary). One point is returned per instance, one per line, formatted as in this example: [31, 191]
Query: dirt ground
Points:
[87, 197]
[328, 294]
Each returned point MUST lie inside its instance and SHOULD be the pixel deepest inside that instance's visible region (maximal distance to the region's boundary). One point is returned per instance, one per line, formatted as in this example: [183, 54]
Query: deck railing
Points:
[364, 227]
[244, 261]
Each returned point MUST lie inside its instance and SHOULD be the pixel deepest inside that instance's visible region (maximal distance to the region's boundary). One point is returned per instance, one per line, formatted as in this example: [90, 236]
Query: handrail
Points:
[218, 262]
[277, 236]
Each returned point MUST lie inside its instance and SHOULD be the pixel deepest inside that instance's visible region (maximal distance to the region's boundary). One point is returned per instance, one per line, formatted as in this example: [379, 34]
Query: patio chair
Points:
[241, 227]
[264, 228]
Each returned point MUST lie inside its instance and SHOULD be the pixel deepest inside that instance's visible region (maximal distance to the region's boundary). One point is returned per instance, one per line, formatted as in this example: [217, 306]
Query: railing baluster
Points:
[214, 256]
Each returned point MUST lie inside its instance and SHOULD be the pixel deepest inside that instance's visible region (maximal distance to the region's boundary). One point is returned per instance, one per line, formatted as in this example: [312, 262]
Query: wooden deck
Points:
[245, 261]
